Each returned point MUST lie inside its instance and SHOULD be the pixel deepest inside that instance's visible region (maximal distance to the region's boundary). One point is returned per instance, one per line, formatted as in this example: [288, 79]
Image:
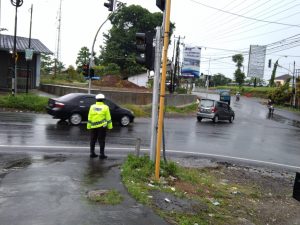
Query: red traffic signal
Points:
[85, 70]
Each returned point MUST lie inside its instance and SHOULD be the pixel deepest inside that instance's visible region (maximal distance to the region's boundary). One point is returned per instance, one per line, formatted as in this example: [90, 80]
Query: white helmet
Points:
[100, 96]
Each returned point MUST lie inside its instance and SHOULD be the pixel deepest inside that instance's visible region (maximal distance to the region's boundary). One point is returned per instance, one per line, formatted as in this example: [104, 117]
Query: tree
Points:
[46, 63]
[82, 58]
[120, 40]
[238, 74]
[220, 79]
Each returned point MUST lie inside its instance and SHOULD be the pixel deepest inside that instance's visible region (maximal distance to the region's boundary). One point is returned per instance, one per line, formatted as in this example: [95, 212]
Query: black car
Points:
[75, 108]
[215, 110]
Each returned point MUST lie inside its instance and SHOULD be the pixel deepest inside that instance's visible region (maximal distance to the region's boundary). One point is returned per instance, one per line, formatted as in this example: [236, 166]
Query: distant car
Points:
[75, 108]
[215, 110]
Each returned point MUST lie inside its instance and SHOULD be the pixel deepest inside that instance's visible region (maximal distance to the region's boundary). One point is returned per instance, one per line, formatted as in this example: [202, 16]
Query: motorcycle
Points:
[271, 109]
[237, 98]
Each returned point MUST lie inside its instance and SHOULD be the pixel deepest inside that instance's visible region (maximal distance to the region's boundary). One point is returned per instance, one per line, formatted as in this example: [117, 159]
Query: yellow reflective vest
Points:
[99, 116]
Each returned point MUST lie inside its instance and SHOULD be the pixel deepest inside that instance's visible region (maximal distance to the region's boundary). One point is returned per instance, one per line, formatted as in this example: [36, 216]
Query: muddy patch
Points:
[171, 203]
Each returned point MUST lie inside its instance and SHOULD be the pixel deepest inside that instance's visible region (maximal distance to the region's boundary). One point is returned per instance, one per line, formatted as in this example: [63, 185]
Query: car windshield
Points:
[207, 103]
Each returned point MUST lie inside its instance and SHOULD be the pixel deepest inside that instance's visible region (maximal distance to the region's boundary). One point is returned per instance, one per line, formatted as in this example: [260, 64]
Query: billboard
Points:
[191, 62]
[256, 64]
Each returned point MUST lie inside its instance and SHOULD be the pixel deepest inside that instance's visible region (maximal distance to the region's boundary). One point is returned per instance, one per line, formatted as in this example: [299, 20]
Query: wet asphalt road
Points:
[251, 136]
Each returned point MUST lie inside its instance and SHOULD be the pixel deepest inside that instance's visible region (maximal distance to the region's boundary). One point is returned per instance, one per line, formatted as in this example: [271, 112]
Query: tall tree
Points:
[220, 79]
[83, 57]
[119, 45]
[238, 74]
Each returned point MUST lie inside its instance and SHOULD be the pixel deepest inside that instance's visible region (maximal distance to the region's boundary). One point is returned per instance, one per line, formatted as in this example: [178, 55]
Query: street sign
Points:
[256, 64]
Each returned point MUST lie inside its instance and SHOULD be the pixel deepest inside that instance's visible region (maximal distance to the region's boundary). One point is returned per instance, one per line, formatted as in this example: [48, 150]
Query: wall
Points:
[121, 97]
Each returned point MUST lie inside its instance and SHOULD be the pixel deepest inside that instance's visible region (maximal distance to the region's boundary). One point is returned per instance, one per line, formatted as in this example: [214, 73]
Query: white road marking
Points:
[146, 149]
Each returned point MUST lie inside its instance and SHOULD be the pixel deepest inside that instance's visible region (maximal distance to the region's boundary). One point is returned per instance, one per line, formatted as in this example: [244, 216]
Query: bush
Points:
[24, 102]
[280, 95]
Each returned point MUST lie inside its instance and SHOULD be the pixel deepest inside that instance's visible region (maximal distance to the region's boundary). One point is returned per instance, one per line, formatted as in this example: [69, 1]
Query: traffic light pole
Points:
[162, 87]
[156, 78]
[91, 62]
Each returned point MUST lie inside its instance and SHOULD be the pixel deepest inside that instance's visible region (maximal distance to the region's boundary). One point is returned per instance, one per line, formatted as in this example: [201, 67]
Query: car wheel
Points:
[216, 119]
[199, 119]
[231, 119]
[75, 119]
[125, 120]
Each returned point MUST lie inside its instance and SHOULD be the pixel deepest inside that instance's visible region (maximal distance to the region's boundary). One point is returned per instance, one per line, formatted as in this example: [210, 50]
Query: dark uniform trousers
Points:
[98, 134]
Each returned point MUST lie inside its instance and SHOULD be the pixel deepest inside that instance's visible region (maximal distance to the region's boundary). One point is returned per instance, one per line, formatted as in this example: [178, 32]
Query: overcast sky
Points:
[221, 28]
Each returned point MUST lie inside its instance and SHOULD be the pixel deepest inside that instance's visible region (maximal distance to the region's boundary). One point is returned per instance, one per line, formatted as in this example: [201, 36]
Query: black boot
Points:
[93, 154]
[102, 155]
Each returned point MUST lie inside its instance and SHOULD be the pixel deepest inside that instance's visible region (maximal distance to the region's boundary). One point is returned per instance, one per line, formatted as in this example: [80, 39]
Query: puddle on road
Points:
[284, 120]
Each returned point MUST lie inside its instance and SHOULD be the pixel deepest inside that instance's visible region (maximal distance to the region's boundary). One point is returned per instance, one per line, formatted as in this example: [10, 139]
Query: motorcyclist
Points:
[237, 96]
[270, 106]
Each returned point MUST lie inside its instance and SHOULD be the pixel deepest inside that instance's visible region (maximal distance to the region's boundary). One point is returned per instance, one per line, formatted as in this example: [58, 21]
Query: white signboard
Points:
[256, 64]
[191, 62]
[28, 54]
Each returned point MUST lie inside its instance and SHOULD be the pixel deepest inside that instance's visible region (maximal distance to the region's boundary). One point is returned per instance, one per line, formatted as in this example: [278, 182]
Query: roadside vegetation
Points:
[216, 195]
[26, 102]
[35, 103]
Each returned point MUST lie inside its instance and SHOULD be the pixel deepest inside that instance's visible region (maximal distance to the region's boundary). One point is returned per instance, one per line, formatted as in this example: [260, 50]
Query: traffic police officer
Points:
[99, 120]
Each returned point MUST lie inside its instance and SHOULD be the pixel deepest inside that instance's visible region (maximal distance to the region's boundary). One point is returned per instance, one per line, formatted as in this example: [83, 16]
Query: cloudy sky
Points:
[221, 28]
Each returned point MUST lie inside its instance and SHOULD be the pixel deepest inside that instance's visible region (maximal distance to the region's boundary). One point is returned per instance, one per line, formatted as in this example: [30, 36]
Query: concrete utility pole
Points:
[294, 86]
[162, 87]
[176, 66]
[156, 79]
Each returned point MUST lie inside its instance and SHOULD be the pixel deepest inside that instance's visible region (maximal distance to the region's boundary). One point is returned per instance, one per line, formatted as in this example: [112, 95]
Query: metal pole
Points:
[15, 58]
[29, 46]
[162, 87]
[156, 79]
[91, 62]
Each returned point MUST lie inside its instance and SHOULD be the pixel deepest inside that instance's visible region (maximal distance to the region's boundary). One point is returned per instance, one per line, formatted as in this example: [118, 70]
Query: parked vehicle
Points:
[215, 110]
[75, 108]
[225, 96]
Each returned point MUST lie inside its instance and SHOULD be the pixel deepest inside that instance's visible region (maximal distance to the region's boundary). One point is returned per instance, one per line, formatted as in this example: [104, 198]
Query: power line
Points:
[246, 17]
[241, 26]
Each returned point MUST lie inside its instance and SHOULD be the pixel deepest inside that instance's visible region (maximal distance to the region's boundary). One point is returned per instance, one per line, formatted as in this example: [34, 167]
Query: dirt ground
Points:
[116, 82]
[270, 203]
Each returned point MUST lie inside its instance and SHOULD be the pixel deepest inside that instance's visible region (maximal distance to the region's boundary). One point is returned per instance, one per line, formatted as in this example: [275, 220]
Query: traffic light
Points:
[161, 4]
[145, 49]
[92, 72]
[270, 62]
[85, 70]
[110, 5]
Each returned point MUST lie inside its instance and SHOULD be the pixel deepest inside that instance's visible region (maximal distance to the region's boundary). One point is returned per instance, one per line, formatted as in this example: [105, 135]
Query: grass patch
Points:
[260, 92]
[183, 109]
[145, 111]
[29, 102]
[223, 202]
[111, 197]
[288, 108]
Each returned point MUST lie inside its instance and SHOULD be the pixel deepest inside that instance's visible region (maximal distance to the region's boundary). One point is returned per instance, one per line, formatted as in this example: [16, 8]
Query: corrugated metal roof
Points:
[283, 77]
[7, 43]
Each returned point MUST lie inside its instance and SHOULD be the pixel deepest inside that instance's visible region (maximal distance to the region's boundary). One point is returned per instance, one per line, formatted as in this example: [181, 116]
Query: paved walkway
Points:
[52, 189]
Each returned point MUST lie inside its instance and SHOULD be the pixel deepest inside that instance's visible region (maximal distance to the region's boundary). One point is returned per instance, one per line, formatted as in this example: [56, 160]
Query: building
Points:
[6, 62]
[282, 79]
[140, 79]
